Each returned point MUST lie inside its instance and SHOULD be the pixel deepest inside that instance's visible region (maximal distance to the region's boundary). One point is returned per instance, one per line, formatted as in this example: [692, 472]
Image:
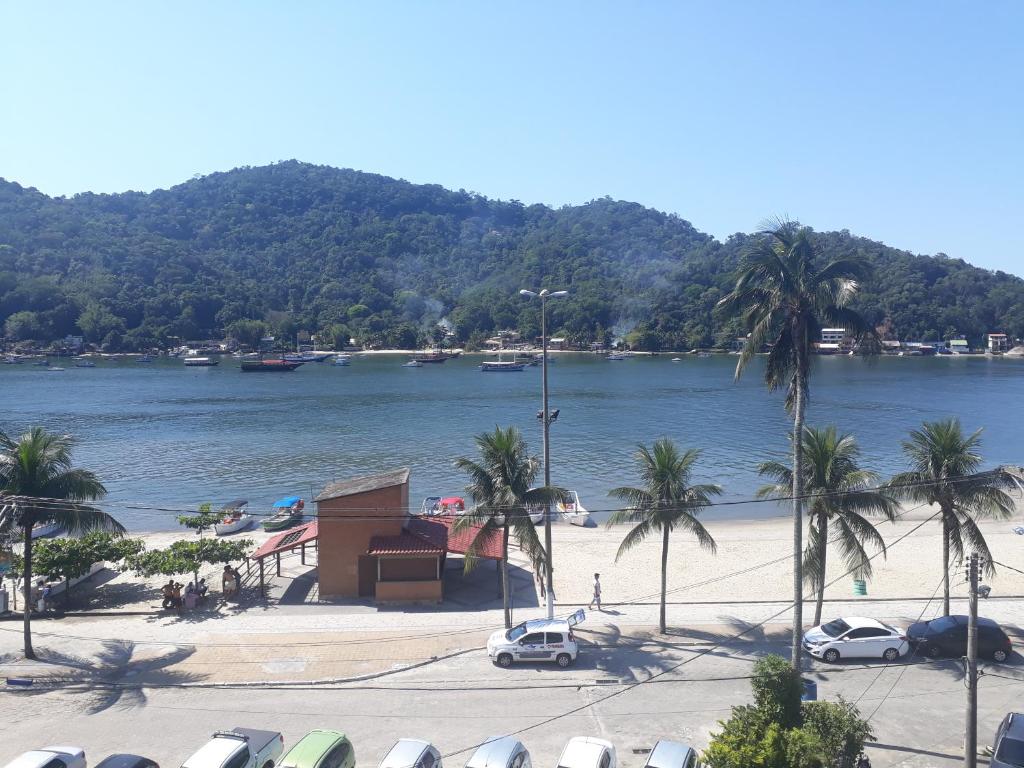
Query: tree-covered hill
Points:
[294, 247]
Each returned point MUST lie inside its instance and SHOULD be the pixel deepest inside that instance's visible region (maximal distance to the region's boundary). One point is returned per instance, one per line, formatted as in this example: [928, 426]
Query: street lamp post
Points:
[545, 417]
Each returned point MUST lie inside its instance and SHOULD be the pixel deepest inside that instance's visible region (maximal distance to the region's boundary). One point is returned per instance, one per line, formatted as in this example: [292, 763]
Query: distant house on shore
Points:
[998, 343]
[834, 341]
[891, 347]
[958, 346]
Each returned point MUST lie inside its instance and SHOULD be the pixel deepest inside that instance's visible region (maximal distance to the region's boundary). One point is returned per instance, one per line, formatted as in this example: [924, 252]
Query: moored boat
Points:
[572, 511]
[443, 505]
[342, 359]
[201, 362]
[500, 366]
[288, 514]
[269, 366]
[412, 364]
[144, 359]
[234, 519]
[80, 363]
[41, 530]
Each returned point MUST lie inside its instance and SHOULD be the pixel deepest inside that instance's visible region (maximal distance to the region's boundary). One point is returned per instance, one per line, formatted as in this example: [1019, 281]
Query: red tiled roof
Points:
[287, 540]
[404, 544]
[438, 530]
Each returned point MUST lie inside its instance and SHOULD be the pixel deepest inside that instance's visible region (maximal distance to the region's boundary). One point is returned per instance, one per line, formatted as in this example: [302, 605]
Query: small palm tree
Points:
[782, 298]
[666, 501]
[501, 486]
[944, 466]
[840, 493]
[39, 484]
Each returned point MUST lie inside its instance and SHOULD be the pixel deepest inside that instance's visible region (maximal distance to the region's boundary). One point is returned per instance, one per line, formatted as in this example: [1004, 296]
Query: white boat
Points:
[412, 364]
[299, 357]
[80, 363]
[615, 356]
[201, 362]
[443, 505]
[501, 366]
[677, 359]
[40, 530]
[342, 359]
[144, 359]
[54, 368]
[572, 511]
[235, 518]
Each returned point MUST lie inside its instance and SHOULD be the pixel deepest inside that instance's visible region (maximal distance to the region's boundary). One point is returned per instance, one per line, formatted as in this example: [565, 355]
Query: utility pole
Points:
[971, 731]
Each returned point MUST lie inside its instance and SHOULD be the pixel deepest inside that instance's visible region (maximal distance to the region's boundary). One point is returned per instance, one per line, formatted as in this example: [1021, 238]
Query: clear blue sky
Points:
[899, 121]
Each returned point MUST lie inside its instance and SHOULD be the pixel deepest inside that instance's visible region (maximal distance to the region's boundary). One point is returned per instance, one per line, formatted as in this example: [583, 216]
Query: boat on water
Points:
[234, 519]
[412, 364]
[43, 363]
[572, 511]
[269, 366]
[299, 357]
[616, 356]
[80, 363]
[289, 512]
[677, 359]
[431, 356]
[704, 354]
[144, 359]
[42, 530]
[201, 362]
[342, 359]
[319, 355]
[54, 368]
[443, 505]
[500, 366]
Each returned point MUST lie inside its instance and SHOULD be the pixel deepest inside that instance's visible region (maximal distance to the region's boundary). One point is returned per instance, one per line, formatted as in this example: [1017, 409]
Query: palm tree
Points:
[944, 467]
[666, 501]
[36, 472]
[501, 485]
[782, 299]
[838, 492]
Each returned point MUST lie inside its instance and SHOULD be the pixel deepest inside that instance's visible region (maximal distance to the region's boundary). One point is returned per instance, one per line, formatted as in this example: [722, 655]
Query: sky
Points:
[903, 122]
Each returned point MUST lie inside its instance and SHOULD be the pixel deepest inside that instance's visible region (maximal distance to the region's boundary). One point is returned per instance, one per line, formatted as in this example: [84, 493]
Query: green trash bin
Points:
[860, 587]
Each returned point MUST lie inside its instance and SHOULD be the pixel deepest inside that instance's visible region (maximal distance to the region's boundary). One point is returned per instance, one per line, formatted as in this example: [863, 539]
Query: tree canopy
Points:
[294, 247]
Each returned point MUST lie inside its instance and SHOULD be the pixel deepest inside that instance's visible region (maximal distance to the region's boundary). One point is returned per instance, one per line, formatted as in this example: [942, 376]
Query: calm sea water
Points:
[162, 435]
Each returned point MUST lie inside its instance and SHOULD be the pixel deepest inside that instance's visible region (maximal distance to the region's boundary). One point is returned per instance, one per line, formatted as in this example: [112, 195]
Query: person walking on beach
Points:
[596, 600]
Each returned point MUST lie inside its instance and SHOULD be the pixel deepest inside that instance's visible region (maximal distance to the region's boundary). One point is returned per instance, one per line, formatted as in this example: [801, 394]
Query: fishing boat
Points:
[615, 356]
[80, 363]
[499, 366]
[41, 530]
[234, 519]
[201, 362]
[342, 359]
[299, 357]
[430, 356]
[412, 364]
[572, 511]
[269, 366]
[290, 512]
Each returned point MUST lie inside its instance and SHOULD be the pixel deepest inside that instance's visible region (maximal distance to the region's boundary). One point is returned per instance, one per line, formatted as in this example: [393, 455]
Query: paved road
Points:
[458, 702]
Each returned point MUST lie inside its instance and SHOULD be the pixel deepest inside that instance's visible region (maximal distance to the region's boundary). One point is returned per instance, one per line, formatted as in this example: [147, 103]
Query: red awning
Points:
[438, 531]
[404, 544]
[287, 540]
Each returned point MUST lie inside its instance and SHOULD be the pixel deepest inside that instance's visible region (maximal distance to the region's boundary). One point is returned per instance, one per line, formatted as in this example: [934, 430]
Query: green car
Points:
[321, 749]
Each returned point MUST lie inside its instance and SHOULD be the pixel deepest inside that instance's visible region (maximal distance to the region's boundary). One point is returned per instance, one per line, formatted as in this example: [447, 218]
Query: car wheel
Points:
[268, 764]
[505, 660]
[831, 656]
[999, 655]
[563, 660]
[932, 651]
[891, 654]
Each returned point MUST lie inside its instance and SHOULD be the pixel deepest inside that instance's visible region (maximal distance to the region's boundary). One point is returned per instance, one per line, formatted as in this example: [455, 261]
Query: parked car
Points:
[50, 757]
[412, 753]
[126, 761]
[855, 638]
[672, 754]
[239, 748]
[1008, 748]
[587, 752]
[947, 636]
[320, 749]
[535, 640]
[500, 752]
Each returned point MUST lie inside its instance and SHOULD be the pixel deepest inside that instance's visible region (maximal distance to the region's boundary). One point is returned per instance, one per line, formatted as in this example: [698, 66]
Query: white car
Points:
[239, 748]
[536, 640]
[500, 752]
[855, 638]
[412, 753]
[587, 752]
[50, 757]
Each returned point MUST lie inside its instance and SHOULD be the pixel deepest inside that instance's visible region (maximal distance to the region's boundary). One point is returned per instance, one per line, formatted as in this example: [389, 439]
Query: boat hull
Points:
[269, 366]
[223, 529]
[280, 522]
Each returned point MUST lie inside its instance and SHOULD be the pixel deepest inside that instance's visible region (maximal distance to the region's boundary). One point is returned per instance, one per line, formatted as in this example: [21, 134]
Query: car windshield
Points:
[1011, 752]
[941, 625]
[835, 628]
[516, 632]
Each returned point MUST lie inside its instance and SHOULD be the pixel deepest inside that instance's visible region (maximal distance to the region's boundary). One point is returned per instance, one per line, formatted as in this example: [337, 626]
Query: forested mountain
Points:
[294, 247]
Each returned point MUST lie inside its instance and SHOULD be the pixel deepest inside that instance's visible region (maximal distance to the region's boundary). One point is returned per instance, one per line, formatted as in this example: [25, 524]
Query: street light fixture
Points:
[546, 417]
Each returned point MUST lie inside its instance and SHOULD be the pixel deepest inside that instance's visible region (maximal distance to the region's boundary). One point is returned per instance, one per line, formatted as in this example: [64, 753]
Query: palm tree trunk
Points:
[664, 574]
[945, 564]
[26, 576]
[822, 555]
[504, 577]
[798, 522]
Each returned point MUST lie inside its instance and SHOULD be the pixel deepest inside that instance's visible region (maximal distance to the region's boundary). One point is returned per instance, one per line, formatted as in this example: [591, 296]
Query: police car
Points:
[536, 640]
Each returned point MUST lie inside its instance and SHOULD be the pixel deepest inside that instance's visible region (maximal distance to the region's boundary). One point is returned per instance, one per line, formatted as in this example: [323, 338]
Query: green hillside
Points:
[295, 247]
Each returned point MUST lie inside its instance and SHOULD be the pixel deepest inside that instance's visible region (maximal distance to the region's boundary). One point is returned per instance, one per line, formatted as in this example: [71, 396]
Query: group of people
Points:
[174, 598]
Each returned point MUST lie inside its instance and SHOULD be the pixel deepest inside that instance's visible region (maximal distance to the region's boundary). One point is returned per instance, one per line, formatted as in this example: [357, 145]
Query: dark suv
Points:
[1008, 750]
[947, 636]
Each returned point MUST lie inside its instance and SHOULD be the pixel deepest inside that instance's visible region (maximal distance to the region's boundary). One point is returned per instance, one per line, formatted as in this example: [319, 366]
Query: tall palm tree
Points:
[944, 466]
[35, 472]
[501, 486]
[666, 501]
[783, 298]
[838, 492]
